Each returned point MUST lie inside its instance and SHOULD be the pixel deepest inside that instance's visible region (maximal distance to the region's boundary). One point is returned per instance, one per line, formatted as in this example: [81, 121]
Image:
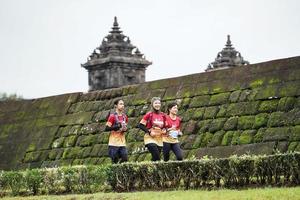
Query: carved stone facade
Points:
[228, 57]
[114, 64]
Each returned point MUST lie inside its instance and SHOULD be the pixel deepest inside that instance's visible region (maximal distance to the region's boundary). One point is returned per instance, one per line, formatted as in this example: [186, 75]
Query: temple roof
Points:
[228, 57]
[116, 47]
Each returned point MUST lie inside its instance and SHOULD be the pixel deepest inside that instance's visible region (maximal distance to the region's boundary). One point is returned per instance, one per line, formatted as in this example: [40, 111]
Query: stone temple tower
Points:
[116, 62]
[226, 58]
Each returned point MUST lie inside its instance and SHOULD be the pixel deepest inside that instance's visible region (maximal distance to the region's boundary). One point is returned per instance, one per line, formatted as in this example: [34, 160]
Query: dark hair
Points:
[170, 106]
[117, 101]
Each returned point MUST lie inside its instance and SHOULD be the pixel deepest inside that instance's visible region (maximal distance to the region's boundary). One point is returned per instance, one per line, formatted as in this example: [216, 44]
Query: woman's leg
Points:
[177, 151]
[123, 154]
[154, 150]
[113, 153]
[166, 151]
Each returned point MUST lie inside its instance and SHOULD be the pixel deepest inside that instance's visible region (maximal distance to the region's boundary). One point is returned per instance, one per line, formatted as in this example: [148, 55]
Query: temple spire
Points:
[228, 43]
[226, 58]
[115, 28]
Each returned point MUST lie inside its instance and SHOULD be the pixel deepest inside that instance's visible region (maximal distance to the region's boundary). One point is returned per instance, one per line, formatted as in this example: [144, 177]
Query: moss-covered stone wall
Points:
[253, 109]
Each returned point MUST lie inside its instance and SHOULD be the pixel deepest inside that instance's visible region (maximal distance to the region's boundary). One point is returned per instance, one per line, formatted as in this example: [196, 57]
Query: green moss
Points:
[217, 90]
[103, 137]
[86, 140]
[244, 95]
[261, 120]
[267, 92]
[70, 141]
[293, 146]
[204, 125]
[55, 154]
[268, 105]
[217, 124]
[211, 112]
[277, 119]
[198, 141]
[234, 96]
[198, 113]
[58, 143]
[86, 152]
[218, 99]
[207, 137]
[187, 115]
[274, 80]
[32, 157]
[295, 133]
[77, 118]
[227, 138]
[235, 137]
[259, 135]
[289, 89]
[256, 83]
[247, 136]
[286, 103]
[231, 123]
[31, 147]
[74, 152]
[217, 139]
[223, 110]
[245, 122]
[200, 101]
[190, 127]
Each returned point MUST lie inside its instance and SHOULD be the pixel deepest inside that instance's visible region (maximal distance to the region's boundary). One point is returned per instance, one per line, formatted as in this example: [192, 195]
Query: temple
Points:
[116, 62]
[228, 57]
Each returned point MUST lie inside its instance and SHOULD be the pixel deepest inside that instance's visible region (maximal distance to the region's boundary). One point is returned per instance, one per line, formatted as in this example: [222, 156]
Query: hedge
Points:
[232, 172]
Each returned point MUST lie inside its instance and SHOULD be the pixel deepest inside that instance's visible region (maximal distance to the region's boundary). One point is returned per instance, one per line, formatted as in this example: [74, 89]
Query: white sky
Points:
[43, 42]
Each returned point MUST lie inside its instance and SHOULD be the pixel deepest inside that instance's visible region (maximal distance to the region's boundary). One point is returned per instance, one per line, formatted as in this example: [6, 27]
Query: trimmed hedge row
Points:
[73, 179]
[233, 172]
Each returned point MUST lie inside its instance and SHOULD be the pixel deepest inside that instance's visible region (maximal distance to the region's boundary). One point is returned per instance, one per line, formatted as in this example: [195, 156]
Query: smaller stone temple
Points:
[226, 58]
[116, 62]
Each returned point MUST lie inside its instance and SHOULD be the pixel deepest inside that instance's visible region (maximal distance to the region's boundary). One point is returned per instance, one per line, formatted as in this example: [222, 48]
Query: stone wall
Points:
[253, 109]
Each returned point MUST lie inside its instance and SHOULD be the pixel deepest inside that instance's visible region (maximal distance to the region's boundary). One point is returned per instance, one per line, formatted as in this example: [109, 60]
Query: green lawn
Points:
[266, 193]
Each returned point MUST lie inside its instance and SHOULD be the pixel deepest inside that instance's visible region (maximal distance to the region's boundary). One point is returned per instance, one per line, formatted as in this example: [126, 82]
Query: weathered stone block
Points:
[216, 139]
[286, 103]
[58, 143]
[70, 141]
[295, 133]
[217, 124]
[245, 122]
[247, 137]
[198, 113]
[226, 140]
[268, 105]
[231, 123]
[222, 110]
[234, 96]
[73, 152]
[218, 99]
[277, 119]
[204, 125]
[261, 120]
[86, 140]
[292, 146]
[210, 112]
[277, 134]
[235, 137]
[199, 101]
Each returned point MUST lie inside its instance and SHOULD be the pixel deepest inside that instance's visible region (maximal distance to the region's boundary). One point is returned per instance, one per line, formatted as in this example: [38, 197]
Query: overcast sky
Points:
[43, 42]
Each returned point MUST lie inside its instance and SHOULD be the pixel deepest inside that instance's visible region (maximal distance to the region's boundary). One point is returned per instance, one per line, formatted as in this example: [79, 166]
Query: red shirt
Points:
[116, 138]
[154, 119]
[173, 123]
[112, 119]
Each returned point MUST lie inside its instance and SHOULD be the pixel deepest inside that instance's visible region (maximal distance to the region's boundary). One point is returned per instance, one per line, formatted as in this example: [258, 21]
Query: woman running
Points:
[153, 124]
[170, 140]
[117, 124]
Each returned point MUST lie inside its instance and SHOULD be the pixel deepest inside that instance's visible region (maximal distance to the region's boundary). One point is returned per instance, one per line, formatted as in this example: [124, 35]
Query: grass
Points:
[292, 193]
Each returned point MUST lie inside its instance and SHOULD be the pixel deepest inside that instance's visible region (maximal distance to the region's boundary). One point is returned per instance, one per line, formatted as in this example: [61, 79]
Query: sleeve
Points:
[110, 120]
[145, 119]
